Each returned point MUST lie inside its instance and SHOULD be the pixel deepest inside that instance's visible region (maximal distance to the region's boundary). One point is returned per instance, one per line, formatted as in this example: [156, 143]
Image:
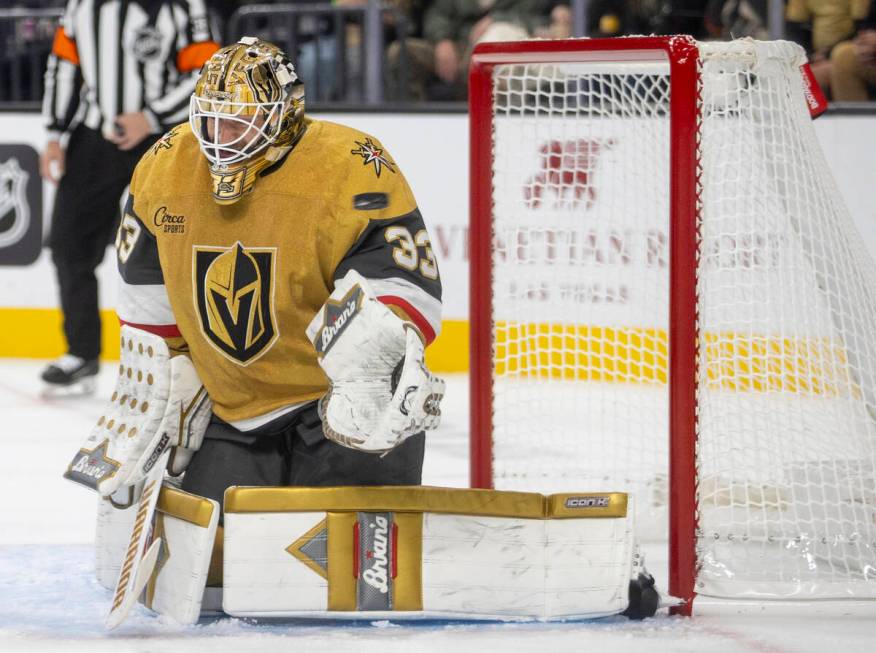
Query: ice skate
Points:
[69, 376]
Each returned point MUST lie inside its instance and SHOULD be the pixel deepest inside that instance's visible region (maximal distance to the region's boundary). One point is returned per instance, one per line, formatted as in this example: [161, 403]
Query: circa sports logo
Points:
[234, 296]
[168, 222]
[371, 153]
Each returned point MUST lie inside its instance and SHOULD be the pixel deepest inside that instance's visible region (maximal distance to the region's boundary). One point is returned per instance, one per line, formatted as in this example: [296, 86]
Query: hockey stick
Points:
[139, 562]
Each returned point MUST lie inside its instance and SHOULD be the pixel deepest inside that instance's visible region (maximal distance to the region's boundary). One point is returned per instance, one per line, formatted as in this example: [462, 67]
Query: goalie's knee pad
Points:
[380, 389]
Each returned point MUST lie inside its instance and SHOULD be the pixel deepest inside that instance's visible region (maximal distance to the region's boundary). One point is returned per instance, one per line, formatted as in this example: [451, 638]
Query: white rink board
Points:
[432, 150]
[588, 238]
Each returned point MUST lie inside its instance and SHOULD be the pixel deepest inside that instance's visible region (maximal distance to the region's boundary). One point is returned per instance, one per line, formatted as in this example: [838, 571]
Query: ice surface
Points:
[50, 601]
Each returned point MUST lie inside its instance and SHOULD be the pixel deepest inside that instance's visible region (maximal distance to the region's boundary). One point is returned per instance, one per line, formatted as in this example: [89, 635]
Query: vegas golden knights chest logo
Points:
[234, 295]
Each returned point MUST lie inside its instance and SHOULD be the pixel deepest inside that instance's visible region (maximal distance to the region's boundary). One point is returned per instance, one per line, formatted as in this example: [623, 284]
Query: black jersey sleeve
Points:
[396, 257]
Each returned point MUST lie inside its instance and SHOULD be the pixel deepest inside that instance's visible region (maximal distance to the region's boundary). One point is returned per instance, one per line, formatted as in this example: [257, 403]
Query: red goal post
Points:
[681, 53]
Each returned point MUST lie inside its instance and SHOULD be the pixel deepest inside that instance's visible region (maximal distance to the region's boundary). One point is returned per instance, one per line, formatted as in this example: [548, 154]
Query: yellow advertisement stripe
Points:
[734, 361]
[581, 352]
[38, 333]
[809, 366]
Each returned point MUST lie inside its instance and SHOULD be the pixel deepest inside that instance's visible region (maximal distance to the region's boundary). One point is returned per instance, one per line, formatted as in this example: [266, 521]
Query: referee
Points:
[120, 73]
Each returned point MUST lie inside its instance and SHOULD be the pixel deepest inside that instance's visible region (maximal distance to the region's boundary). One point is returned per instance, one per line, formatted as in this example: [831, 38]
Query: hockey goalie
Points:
[262, 452]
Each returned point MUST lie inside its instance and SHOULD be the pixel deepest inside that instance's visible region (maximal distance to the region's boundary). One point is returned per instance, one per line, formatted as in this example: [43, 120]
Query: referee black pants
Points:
[84, 220]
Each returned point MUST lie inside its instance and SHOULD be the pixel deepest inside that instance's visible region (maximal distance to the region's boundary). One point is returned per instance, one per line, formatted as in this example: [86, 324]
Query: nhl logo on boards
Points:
[14, 211]
[234, 296]
[21, 228]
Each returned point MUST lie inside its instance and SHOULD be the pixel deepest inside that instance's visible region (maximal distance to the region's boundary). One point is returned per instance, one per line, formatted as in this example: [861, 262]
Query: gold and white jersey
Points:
[239, 283]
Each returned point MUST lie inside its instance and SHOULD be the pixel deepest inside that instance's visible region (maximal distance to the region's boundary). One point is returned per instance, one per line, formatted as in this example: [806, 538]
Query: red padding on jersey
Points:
[163, 330]
[416, 317]
[64, 47]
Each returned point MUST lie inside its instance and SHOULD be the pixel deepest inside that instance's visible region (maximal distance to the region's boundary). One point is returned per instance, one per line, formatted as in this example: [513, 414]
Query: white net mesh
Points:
[787, 439]
[787, 444]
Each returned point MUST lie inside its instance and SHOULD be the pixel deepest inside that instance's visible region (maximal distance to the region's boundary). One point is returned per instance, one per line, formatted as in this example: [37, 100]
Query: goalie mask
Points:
[247, 112]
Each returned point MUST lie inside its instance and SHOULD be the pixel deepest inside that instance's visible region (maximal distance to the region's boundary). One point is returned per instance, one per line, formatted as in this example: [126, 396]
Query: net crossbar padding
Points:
[668, 297]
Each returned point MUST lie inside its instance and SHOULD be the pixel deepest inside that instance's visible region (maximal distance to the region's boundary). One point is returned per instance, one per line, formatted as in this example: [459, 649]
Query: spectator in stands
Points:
[733, 19]
[25, 42]
[309, 37]
[819, 25]
[112, 87]
[853, 63]
[403, 21]
[436, 64]
[664, 17]
[316, 37]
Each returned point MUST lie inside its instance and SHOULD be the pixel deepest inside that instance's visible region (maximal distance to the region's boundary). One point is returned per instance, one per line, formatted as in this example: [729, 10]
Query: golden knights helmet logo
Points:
[14, 210]
[234, 293]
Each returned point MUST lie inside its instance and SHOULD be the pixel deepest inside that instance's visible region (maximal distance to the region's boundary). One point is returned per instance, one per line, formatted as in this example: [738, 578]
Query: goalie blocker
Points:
[380, 391]
[400, 553]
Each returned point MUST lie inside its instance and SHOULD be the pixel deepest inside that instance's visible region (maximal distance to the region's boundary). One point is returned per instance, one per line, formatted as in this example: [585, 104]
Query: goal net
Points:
[669, 298]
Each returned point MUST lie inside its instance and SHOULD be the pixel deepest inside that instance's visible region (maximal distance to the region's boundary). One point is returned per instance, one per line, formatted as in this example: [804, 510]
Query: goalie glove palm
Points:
[364, 347]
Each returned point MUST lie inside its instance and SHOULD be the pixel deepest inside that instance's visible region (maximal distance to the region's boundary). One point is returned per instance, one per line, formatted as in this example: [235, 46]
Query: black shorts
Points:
[292, 451]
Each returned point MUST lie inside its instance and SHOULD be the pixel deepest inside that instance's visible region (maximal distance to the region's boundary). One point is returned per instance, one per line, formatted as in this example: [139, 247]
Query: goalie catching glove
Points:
[380, 392]
[158, 402]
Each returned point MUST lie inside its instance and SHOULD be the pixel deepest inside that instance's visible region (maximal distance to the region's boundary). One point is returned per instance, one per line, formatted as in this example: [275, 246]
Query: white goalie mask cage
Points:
[231, 132]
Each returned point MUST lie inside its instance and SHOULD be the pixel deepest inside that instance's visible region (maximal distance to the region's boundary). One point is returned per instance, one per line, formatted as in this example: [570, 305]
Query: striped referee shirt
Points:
[125, 56]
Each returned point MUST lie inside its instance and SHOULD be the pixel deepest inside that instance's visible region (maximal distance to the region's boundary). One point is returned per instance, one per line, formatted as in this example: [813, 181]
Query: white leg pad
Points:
[112, 536]
[187, 525]
[425, 553]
